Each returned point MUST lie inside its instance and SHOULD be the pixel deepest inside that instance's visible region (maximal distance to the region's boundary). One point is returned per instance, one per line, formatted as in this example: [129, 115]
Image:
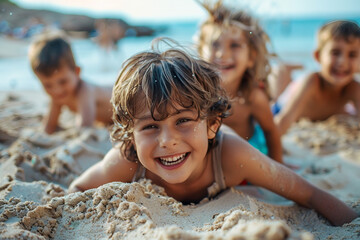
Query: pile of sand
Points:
[36, 169]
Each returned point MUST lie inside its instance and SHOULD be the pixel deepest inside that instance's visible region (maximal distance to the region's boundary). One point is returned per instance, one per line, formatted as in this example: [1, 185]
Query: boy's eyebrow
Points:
[148, 116]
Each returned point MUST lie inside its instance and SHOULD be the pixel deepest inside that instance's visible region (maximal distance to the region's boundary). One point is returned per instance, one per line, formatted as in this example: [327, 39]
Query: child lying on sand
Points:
[168, 108]
[325, 93]
[53, 63]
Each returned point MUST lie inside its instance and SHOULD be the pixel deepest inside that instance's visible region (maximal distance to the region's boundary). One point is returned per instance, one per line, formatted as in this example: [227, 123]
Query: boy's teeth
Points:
[172, 160]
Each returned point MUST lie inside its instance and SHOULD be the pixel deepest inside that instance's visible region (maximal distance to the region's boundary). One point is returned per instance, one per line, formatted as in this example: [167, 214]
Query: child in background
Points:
[325, 93]
[168, 108]
[236, 44]
[53, 63]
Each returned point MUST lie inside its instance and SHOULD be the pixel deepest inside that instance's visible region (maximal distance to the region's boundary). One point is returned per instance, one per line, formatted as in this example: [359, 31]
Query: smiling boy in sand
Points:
[168, 109]
[325, 93]
[53, 63]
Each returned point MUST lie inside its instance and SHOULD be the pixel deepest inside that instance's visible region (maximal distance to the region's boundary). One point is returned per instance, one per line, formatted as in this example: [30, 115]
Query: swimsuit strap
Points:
[219, 183]
[139, 174]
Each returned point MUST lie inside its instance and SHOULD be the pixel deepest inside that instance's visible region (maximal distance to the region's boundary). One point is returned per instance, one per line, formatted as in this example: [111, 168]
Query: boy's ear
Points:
[213, 127]
[317, 55]
[133, 143]
[77, 70]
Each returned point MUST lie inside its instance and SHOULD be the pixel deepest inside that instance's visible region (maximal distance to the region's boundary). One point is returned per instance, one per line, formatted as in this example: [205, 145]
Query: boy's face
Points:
[61, 85]
[174, 148]
[231, 52]
[339, 60]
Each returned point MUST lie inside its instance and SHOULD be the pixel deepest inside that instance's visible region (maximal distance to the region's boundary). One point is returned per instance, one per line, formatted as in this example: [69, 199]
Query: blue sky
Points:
[160, 10]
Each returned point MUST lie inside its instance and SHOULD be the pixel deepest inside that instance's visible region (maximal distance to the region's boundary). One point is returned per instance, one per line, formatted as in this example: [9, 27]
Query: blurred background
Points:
[105, 33]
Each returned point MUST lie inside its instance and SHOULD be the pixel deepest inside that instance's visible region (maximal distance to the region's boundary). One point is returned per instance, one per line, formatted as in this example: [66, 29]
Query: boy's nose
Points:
[342, 60]
[57, 90]
[167, 138]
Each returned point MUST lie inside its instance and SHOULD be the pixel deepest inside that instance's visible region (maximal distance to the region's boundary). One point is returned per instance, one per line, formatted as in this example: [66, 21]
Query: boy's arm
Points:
[261, 111]
[294, 108]
[51, 120]
[353, 91]
[244, 162]
[112, 168]
[287, 183]
[330, 207]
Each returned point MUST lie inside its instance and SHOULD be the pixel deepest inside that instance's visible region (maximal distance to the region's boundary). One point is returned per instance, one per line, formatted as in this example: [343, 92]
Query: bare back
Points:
[92, 102]
[103, 105]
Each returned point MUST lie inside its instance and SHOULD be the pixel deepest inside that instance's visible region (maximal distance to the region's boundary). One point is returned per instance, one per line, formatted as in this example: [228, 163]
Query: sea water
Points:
[293, 40]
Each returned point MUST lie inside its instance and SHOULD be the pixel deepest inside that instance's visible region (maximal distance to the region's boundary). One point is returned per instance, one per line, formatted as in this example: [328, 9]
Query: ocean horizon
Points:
[293, 40]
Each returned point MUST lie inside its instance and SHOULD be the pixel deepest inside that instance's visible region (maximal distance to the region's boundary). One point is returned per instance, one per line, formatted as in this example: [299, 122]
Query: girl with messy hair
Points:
[167, 110]
[234, 41]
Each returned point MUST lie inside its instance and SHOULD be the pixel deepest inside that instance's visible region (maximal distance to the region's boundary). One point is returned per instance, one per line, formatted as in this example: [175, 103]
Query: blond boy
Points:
[53, 63]
[325, 93]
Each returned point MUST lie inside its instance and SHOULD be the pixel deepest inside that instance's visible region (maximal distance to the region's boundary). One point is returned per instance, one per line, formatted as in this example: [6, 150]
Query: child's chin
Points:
[174, 180]
[342, 79]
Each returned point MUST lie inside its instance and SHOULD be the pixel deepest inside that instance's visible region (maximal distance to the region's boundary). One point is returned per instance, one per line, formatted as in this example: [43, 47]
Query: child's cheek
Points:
[199, 128]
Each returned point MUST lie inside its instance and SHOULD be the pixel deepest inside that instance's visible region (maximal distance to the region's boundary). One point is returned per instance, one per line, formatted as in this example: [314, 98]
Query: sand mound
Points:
[36, 170]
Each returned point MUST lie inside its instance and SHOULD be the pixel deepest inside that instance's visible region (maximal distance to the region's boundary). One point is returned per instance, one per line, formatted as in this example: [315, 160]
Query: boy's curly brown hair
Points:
[159, 80]
[339, 29]
[49, 52]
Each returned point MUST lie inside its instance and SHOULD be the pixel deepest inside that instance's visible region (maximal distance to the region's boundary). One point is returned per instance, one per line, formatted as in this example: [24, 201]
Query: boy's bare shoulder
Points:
[117, 167]
[353, 90]
[235, 153]
[354, 85]
[85, 87]
[232, 145]
[310, 79]
[309, 83]
[258, 97]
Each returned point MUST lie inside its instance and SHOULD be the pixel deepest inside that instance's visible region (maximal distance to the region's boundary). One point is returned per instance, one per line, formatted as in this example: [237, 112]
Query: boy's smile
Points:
[339, 60]
[174, 161]
[174, 148]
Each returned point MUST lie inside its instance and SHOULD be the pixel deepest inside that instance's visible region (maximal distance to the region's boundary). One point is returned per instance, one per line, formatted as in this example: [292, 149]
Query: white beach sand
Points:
[35, 170]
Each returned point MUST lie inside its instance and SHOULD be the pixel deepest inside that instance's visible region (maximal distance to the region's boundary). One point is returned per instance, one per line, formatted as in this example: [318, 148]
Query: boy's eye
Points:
[237, 45]
[183, 120]
[62, 82]
[335, 52]
[353, 54]
[150, 126]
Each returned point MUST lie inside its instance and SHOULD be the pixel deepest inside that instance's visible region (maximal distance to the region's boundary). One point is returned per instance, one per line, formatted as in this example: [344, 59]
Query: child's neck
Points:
[329, 87]
[232, 87]
[192, 190]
